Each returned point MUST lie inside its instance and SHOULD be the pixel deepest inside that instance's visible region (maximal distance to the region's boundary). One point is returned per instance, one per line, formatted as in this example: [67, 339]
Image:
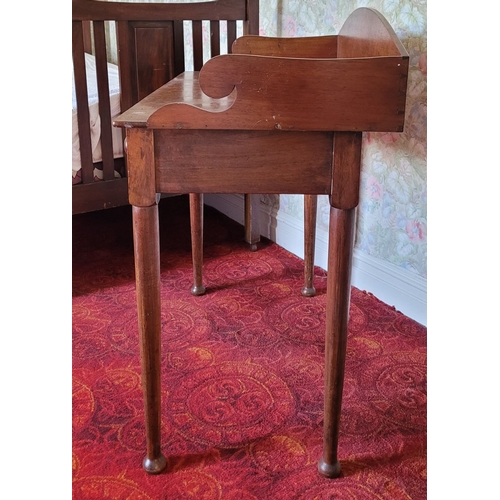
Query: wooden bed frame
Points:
[151, 51]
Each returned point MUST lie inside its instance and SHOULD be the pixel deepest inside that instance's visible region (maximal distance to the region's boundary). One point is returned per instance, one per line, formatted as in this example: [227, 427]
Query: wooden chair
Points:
[290, 125]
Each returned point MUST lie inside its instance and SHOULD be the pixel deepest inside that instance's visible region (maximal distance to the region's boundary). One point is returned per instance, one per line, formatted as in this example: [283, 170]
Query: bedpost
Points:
[251, 25]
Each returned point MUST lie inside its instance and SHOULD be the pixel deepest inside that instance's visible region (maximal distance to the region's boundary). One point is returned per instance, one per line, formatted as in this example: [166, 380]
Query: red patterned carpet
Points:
[242, 375]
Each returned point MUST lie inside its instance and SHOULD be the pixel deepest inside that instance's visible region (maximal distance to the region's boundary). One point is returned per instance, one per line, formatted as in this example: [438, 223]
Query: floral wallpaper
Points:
[392, 214]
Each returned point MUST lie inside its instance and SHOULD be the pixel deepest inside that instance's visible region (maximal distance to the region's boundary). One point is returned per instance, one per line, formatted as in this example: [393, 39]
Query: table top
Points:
[185, 89]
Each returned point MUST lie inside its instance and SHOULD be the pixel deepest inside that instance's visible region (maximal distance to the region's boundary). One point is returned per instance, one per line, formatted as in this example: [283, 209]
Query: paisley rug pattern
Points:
[242, 374]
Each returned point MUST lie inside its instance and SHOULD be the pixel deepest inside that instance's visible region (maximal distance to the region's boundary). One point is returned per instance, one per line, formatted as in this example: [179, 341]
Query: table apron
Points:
[222, 161]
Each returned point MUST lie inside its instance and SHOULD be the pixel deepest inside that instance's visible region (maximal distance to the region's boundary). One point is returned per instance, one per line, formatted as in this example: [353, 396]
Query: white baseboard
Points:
[232, 205]
[395, 286]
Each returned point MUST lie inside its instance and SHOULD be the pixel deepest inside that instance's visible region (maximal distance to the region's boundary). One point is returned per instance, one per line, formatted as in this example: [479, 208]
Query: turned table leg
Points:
[343, 201]
[337, 315]
[252, 221]
[196, 215]
[147, 270]
[310, 209]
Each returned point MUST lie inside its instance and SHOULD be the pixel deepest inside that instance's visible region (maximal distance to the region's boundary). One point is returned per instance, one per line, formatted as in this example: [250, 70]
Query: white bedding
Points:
[95, 121]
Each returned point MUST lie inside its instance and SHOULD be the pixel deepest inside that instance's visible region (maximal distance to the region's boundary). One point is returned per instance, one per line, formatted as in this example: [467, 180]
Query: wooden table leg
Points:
[252, 220]
[147, 271]
[310, 209]
[196, 215]
[340, 248]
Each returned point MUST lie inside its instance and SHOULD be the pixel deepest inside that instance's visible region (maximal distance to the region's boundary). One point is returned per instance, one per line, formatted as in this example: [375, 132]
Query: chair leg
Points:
[147, 271]
[310, 209]
[252, 221]
[340, 248]
[196, 217]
